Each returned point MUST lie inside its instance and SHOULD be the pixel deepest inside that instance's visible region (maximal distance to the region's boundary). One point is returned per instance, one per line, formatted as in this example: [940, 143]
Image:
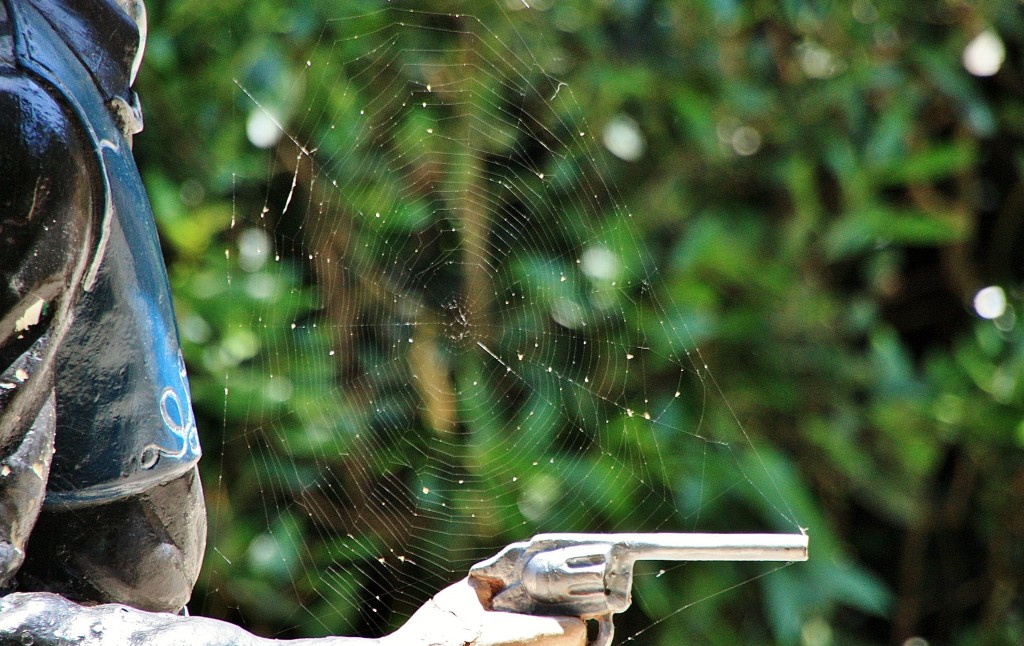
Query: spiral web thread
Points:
[476, 343]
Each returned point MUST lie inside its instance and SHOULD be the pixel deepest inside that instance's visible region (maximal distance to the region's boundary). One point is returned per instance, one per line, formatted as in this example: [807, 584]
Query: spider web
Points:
[458, 335]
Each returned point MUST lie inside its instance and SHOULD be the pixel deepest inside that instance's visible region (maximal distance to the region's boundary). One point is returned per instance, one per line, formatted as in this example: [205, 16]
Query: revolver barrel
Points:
[709, 547]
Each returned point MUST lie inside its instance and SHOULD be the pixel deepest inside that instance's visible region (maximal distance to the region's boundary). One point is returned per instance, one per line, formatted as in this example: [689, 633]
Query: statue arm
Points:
[454, 617]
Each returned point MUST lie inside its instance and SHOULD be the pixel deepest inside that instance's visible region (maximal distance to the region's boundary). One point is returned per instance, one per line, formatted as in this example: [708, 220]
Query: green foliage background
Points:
[824, 187]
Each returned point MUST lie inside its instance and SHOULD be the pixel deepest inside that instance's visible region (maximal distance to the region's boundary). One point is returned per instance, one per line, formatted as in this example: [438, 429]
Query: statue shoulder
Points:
[47, 170]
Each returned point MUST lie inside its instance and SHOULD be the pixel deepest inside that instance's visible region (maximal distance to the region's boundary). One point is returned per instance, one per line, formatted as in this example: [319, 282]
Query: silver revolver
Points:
[591, 575]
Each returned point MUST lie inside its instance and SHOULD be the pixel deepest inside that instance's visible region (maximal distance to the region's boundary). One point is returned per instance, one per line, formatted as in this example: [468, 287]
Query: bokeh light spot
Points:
[984, 55]
[990, 302]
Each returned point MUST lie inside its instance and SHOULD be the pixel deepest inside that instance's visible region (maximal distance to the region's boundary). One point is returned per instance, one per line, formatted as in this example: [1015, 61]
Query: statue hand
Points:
[457, 615]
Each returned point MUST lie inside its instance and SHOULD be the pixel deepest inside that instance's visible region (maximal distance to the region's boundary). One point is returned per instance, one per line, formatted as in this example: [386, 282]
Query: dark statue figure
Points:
[98, 484]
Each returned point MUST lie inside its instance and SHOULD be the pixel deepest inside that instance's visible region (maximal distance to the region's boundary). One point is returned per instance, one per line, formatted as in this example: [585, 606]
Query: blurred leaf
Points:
[864, 230]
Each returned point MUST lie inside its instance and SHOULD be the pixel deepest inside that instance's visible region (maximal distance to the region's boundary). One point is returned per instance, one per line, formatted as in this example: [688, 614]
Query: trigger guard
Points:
[605, 631]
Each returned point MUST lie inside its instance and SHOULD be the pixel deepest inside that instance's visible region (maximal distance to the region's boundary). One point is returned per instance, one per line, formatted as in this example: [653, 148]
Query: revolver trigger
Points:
[605, 631]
